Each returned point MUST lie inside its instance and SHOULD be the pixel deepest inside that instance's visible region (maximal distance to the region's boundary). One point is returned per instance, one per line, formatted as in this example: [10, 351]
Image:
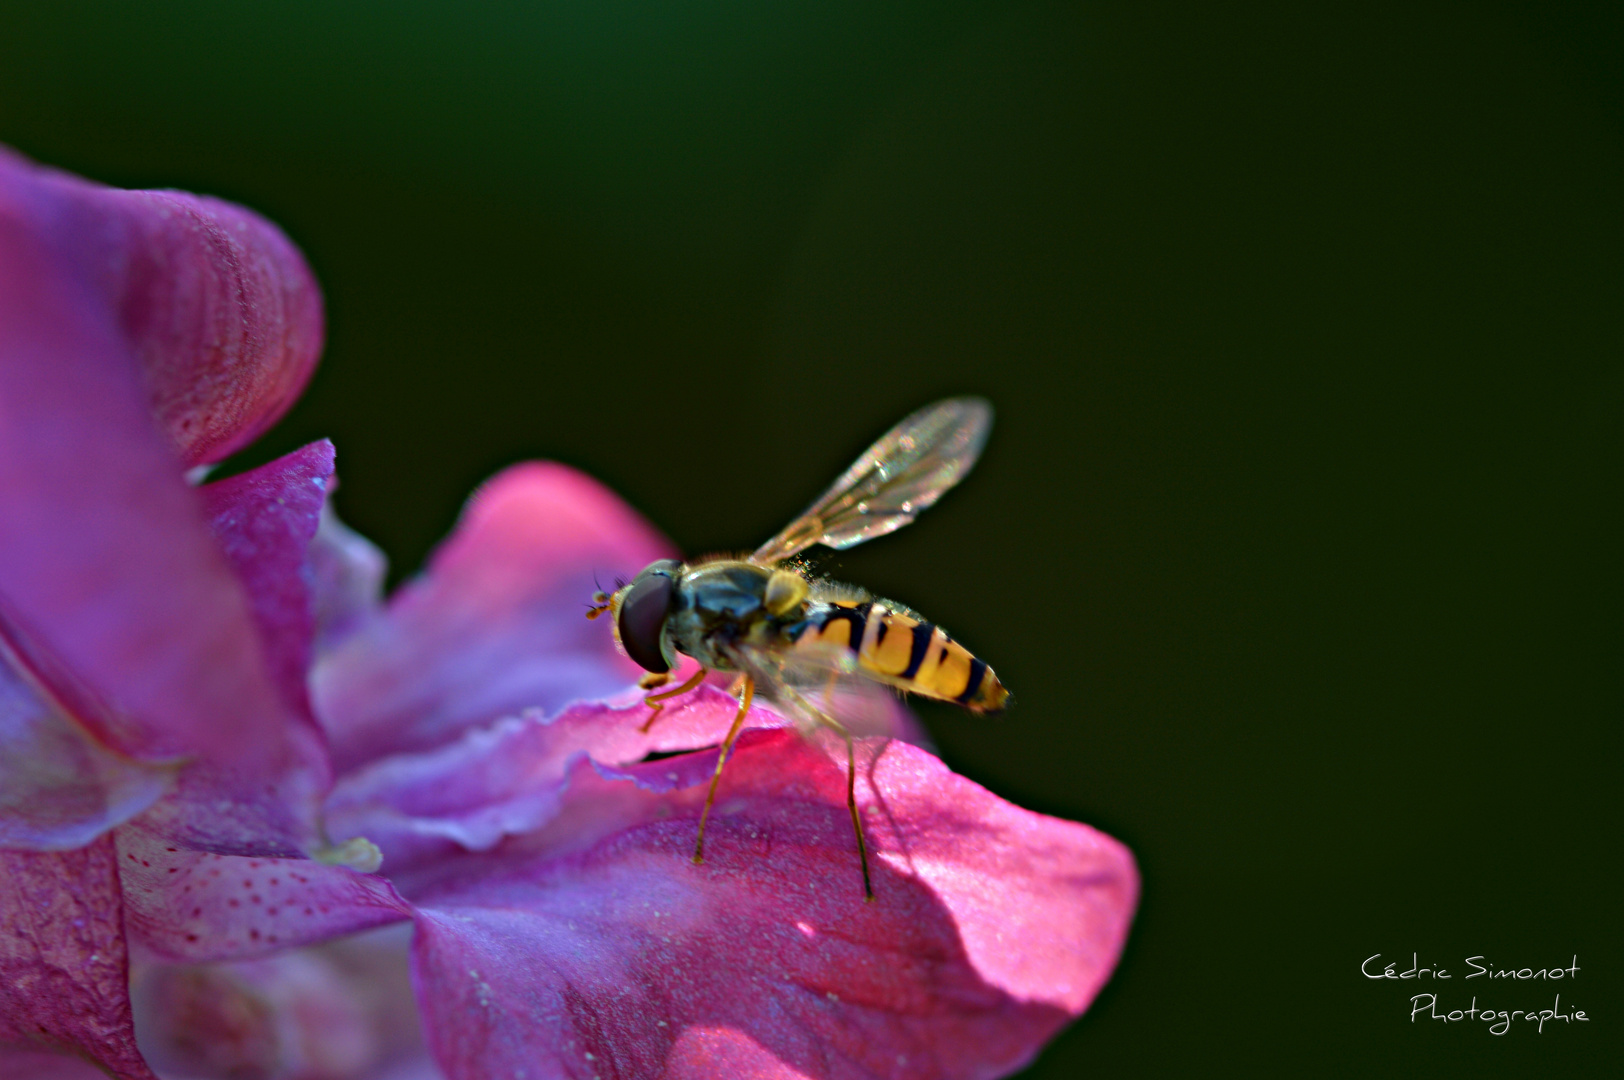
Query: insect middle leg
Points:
[721, 759]
[657, 701]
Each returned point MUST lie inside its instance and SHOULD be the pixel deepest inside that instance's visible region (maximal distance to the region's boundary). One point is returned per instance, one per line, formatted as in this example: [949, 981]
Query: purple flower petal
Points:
[347, 572]
[596, 947]
[265, 520]
[37, 1065]
[192, 905]
[63, 964]
[344, 1009]
[217, 307]
[495, 625]
[60, 788]
[112, 589]
[508, 777]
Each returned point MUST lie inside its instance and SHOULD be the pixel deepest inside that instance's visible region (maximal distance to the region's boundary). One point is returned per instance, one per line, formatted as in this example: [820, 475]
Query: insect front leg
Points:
[656, 702]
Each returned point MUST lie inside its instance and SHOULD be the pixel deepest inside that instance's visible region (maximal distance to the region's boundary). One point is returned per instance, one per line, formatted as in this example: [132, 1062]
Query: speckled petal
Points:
[63, 963]
[112, 589]
[191, 905]
[596, 946]
[495, 626]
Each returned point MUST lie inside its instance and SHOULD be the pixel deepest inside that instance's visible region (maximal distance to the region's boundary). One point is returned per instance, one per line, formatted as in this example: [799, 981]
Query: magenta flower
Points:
[171, 650]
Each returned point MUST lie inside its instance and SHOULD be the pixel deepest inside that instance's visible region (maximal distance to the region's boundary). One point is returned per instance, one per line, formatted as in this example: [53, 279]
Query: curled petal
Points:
[228, 346]
[63, 962]
[112, 589]
[596, 946]
[495, 625]
[216, 306]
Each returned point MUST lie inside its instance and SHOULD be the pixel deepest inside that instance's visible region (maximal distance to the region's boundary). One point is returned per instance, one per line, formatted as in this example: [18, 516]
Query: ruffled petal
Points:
[60, 788]
[192, 905]
[495, 625]
[596, 947]
[112, 589]
[218, 308]
[64, 968]
[508, 778]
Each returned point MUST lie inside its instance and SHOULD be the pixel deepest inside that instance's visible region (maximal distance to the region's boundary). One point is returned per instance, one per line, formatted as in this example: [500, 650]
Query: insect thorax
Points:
[720, 604]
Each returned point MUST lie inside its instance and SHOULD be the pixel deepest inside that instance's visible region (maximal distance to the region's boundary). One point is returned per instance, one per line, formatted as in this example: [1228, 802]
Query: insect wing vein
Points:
[907, 470]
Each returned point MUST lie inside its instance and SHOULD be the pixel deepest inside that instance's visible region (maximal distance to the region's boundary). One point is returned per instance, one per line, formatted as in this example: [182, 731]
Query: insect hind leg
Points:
[844, 732]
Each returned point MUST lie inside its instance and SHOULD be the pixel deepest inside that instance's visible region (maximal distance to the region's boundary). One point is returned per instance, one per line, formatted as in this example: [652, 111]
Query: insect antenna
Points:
[600, 599]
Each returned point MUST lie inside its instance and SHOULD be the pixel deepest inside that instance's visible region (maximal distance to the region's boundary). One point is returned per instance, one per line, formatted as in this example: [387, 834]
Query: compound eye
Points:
[642, 618]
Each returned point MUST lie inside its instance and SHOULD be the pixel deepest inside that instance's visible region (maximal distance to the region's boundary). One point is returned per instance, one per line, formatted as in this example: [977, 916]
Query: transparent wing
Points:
[906, 471]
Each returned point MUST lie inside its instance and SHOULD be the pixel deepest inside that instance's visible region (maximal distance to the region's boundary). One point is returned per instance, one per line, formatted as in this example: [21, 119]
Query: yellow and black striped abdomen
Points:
[898, 649]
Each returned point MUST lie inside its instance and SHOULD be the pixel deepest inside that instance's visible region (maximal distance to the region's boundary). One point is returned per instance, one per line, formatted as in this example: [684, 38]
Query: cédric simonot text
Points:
[1425, 1006]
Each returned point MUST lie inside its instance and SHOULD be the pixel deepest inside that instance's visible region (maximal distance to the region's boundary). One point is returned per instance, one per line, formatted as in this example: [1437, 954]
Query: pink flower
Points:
[483, 735]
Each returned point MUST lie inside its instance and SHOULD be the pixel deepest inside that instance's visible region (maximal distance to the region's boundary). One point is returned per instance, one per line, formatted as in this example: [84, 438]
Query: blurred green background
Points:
[1297, 538]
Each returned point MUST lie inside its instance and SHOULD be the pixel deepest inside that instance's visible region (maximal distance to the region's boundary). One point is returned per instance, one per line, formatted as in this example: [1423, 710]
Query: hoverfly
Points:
[781, 629]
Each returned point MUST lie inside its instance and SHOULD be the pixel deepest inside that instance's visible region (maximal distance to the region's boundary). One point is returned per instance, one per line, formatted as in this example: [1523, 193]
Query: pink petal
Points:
[344, 1009]
[60, 788]
[38, 1065]
[508, 778]
[217, 307]
[191, 905]
[63, 965]
[112, 589]
[596, 947]
[265, 520]
[496, 625]
[347, 572]
[290, 1015]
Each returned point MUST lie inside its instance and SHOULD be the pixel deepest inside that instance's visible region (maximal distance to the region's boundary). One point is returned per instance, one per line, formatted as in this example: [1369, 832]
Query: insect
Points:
[785, 631]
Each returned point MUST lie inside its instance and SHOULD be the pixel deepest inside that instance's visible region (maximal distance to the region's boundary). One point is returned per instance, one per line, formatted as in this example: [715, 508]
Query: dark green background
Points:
[1297, 538]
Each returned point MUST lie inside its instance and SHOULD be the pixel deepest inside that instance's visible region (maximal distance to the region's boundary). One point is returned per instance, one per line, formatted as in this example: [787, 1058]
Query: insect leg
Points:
[657, 701]
[851, 780]
[851, 803]
[721, 759]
